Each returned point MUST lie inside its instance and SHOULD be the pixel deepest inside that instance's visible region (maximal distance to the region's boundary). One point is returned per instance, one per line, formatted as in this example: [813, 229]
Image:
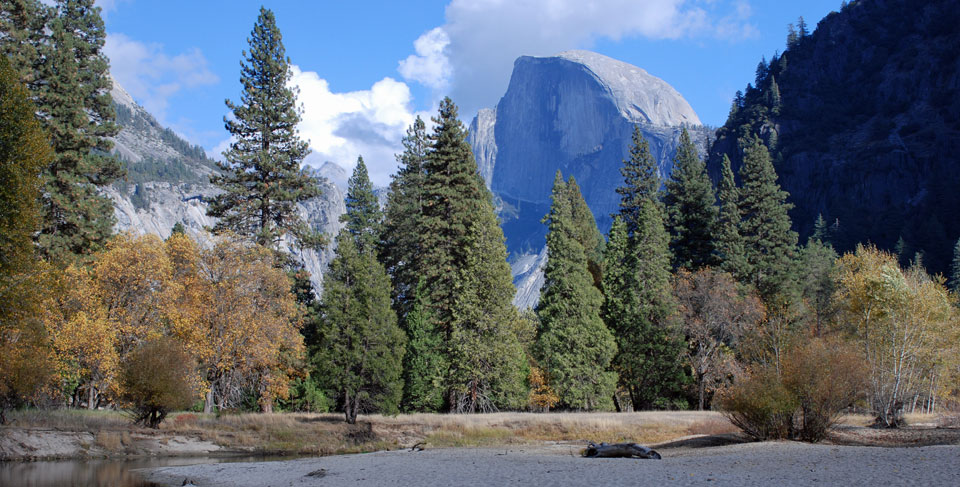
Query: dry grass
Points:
[325, 434]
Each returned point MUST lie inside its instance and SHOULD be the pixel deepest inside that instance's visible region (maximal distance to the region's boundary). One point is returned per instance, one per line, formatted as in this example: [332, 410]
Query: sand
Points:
[768, 463]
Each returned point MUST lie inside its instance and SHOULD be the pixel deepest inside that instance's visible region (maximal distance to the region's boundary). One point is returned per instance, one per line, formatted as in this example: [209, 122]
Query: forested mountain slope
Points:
[863, 118]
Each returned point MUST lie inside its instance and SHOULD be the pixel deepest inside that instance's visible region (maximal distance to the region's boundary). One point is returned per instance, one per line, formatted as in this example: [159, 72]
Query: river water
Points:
[112, 473]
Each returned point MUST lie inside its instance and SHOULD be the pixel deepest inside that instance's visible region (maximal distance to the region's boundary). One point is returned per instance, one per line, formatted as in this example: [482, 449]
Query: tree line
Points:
[698, 295]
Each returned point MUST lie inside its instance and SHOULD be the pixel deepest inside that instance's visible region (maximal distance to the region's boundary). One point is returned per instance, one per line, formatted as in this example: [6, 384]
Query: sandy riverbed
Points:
[769, 463]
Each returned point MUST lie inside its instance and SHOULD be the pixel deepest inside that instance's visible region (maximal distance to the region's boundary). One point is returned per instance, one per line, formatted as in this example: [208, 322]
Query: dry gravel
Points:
[769, 463]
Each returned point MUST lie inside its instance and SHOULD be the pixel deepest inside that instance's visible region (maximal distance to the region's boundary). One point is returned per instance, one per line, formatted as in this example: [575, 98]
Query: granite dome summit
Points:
[638, 95]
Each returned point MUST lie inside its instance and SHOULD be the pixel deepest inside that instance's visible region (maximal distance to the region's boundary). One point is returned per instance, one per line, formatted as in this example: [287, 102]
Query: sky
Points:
[365, 69]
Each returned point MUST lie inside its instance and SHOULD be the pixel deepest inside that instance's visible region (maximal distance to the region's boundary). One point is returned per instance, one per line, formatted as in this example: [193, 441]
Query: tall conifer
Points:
[573, 345]
[729, 242]
[74, 105]
[586, 231]
[263, 180]
[467, 280]
[769, 242]
[691, 208]
[400, 246]
[363, 218]
[954, 283]
[361, 347]
[639, 307]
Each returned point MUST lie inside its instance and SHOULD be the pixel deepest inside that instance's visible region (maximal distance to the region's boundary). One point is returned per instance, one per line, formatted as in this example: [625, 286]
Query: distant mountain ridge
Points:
[168, 182]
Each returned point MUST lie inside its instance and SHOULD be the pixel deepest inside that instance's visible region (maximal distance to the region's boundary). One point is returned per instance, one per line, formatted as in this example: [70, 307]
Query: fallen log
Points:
[619, 450]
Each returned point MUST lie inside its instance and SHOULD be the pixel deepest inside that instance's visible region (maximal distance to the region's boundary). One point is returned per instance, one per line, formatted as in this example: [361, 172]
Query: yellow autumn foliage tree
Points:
[229, 308]
[248, 323]
[901, 320]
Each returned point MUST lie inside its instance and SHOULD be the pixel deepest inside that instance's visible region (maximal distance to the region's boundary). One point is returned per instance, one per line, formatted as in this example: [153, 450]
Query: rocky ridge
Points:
[168, 182]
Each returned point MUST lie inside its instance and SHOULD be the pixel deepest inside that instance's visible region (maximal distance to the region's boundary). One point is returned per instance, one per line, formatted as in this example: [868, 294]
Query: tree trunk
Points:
[208, 401]
[702, 389]
[91, 397]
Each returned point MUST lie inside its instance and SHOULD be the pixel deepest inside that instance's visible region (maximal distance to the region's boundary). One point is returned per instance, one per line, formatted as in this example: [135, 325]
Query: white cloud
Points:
[483, 37]
[342, 126]
[430, 65]
[152, 76]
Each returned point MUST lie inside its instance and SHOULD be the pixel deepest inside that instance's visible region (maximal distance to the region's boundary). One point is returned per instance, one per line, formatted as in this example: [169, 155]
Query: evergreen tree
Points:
[639, 307]
[72, 91]
[22, 37]
[769, 243]
[821, 231]
[573, 345]
[424, 364]
[954, 283]
[467, 280]
[817, 280]
[729, 242]
[641, 181]
[363, 218]
[178, 229]
[263, 180]
[400, 246]
[361, 347]
[691, 209]
[775, 99]
[586, 232]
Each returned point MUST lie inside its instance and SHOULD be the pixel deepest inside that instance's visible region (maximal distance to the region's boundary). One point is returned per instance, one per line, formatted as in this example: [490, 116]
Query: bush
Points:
[818, 379]
[759, 404]
[825, 377]
[157, 378]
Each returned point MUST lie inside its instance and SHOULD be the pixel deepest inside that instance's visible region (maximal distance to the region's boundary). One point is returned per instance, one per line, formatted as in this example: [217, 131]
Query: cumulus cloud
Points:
[430, 66]
[472, 54]
[152, 76]
[342, 126]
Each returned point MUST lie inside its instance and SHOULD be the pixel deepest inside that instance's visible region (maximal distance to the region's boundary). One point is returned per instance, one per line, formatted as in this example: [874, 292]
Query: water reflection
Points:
[83, 473]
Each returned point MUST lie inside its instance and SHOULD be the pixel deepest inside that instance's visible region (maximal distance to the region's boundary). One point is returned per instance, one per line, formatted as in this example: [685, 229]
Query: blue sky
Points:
[366, 68]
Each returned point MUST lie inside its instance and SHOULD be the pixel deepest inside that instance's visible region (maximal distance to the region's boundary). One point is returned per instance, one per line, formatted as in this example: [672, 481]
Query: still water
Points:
[111, 473]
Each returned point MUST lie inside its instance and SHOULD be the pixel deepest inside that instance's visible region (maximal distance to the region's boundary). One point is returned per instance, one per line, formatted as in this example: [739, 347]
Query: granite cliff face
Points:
[574, 112]
[866, 132]
[168, 182]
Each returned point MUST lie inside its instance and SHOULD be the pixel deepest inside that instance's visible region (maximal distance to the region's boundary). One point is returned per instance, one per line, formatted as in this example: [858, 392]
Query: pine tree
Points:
[821, 231]
[586, 232]
[363, 218]
[729, 242]
[361, 348]
[400, 246]
[467, 280]
[691, 209]
[573, 345]
[263, 180]
[22, 37]
[641, 181]
[75, 108]
[638, 302]
[954, 283]
[769, 243]
[424, 364]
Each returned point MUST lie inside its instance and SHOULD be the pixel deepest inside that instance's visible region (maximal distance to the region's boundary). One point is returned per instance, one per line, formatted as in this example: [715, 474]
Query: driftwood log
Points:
[619, 450]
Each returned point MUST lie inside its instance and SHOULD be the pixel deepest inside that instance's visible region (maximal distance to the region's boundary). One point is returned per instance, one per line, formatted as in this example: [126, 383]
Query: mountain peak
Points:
[639, 96]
